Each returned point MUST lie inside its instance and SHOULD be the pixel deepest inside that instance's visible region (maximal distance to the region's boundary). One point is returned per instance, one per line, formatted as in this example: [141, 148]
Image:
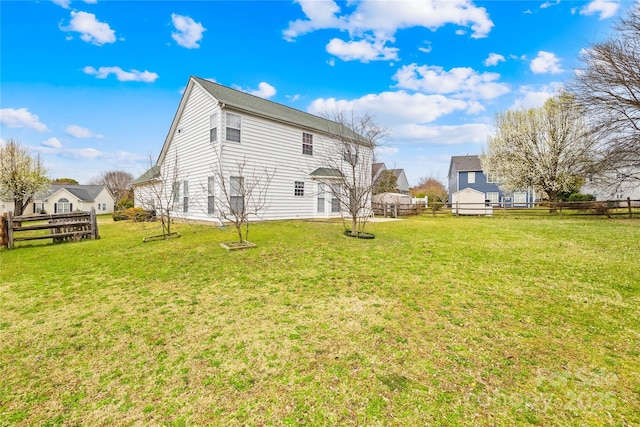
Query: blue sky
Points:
[94, 85]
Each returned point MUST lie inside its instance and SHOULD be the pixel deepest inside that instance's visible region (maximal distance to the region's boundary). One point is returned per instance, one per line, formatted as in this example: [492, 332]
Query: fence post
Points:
[629, 207]
[10, 230]
[94, 224]
[4, 233]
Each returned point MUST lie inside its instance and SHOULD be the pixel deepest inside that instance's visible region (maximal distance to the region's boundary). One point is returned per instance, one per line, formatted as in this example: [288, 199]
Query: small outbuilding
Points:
[470, 202]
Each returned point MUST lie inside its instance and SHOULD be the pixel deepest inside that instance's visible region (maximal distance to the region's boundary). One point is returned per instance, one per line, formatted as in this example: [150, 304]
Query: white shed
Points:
[392, 198]
[470, 202]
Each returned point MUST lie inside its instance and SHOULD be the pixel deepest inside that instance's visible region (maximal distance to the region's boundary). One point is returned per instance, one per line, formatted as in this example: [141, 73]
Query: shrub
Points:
[579, 197]
[136, 214]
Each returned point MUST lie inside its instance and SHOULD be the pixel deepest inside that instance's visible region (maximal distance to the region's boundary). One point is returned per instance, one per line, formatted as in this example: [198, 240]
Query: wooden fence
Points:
[62, 227]
[394, 210]
[609, 208]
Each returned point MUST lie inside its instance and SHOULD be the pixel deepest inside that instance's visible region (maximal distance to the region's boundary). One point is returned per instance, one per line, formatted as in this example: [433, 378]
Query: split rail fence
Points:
[610, 208]
[72, 226]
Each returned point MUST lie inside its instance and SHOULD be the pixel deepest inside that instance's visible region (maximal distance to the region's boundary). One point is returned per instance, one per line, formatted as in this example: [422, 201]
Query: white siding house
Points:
[216, 128]
[62, 198]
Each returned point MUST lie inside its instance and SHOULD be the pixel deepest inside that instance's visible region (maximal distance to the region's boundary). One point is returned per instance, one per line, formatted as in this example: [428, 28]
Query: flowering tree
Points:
[21, 176]
[547, 148]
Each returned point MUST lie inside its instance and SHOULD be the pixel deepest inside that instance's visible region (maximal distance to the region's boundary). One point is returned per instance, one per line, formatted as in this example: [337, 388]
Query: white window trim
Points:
[227, 127]
[471, 177]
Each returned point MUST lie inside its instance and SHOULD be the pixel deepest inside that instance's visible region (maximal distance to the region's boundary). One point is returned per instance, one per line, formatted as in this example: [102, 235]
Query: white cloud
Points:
[265, 90]
[62, 3]
[91, 1]
[188, 32]
[372, 23]
[463, 81]
[606, 8]
[426, 48]
[534, 97]
[393, 108]
[21, 117]
[471, 133]
[493, 59]
[91, 30]
[52, 143]
[293, 98]
[331, 62]
[384, 151]
[121, 75]
[546, 62]
[80, 132]
[320, 14]
[549, 4]
[363, 50]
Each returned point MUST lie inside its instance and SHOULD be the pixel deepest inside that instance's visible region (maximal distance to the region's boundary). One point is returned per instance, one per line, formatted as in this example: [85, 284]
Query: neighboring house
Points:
[62, 198]
[610, 187]
[466, 172]
[216, 127]
[402, 184]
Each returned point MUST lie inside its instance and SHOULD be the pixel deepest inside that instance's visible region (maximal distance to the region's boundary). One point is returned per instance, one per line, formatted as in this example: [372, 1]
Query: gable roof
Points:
[376, 170]
[86, 193]
[239, 100]
[397, 172]
[465, 163]
[326, 173]
[150, 175]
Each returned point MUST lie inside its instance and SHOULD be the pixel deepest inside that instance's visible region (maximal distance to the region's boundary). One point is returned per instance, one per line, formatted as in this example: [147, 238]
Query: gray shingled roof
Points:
[466, 163]
[326, 173]
[86, 193]
[375, 169]
[260, 106]
[150, 175]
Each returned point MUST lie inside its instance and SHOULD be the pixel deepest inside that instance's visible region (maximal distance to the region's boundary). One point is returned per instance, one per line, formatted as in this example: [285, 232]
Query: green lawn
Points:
[443, 321]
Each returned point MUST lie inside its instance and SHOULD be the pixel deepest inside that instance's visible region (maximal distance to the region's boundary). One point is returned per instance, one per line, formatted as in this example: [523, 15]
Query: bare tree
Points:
[164, 190]
[547, 148]
[118, 183]
[21, 176]
[607, 87]
[434, 190]
[349, 158]
[243, 194]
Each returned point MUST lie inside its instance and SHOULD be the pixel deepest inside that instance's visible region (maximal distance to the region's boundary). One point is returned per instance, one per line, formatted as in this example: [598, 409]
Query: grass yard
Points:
[441, 321]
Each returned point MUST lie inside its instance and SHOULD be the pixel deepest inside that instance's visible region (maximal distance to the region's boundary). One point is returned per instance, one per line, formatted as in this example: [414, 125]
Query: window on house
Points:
[493, 197]
[520, 197]
[185, 198]
[63, 206]
[236, 197]
[234, 122]
[471, 177]
[298, 189]
[492, 178]
[210, 192]
[176, 192]
[307, 143]
[321, 202]
[350, 154]
[38, 208]
[335, 201]
[213, 127]
[104, 206]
